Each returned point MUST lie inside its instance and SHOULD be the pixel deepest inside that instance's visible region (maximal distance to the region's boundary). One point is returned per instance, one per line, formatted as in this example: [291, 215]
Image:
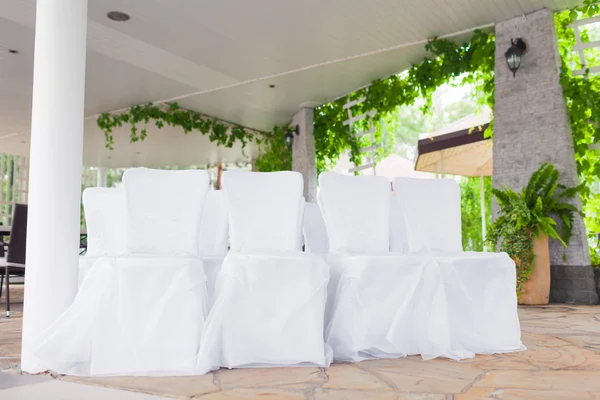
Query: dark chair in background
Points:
[14, 263]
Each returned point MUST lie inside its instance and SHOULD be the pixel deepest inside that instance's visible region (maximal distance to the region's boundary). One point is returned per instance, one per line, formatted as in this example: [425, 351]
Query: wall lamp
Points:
[289, 136]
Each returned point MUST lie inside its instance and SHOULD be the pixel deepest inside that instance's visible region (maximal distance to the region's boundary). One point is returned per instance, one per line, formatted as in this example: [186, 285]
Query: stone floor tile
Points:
[174, 386]
[266, 394]
[57, 390]
[291, 378]
[333, 394]
[349, 376]
[573, 381]
[591, 343]
[521, 394]
[415, 375]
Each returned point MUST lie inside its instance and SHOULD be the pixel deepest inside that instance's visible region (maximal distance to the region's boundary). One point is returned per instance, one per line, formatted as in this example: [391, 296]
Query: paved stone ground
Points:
[562, 362]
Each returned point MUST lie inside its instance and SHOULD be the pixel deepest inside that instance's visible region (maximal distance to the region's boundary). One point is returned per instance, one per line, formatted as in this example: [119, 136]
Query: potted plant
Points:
[525, 222]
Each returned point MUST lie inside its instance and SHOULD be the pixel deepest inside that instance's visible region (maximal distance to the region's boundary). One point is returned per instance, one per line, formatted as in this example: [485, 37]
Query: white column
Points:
[55, 168]
[101, 177]
[303, 152]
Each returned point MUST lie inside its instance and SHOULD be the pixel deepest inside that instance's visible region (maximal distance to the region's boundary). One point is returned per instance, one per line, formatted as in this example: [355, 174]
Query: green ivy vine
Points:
[218, 132]
[582, 95]
[471, 62]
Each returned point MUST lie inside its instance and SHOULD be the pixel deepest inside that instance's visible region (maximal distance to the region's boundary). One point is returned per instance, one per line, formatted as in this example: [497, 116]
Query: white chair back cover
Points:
[265, 210]
[106, 221]
[431, 211]
[214, 225]
[356, 210]
[398, 236]
[315, 231]
[164, 208]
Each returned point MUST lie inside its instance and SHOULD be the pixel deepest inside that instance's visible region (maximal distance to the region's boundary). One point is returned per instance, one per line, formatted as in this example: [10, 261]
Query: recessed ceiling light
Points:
[13, 51]
[271, 86]
[118, 16]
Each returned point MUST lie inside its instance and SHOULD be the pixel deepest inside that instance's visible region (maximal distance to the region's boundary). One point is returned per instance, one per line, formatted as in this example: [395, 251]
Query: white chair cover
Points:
[164, 208]
[106, 223]
[356, 211]
[479, 287]
[253, 197]
[214, 237]
[270, 297]
[315, 231]
[380, 304]
[140, 314]
[430, 209]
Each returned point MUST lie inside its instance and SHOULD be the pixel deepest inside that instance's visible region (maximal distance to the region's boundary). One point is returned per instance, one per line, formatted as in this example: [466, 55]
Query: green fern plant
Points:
[534, 211]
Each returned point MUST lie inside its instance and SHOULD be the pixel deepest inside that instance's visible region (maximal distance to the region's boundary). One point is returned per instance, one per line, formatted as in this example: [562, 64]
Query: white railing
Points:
[370, 165]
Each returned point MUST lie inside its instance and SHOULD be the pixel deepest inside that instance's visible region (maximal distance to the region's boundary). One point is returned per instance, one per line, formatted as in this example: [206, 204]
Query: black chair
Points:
[14, 264]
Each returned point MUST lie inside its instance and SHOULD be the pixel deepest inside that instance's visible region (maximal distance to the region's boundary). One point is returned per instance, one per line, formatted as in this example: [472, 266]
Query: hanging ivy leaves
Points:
[473, 61]
[218, 132]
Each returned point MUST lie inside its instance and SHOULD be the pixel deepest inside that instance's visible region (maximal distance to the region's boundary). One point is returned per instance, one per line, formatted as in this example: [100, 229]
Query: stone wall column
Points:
[303, 152]
[531, 126]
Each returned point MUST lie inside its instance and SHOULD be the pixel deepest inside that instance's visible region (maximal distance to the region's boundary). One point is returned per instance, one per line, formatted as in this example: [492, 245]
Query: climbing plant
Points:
[449, 63]
[582, 95]
[470, 62]
[138, 118]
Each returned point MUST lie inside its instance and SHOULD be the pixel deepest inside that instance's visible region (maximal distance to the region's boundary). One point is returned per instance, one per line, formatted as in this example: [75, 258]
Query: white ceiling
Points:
[220, 56]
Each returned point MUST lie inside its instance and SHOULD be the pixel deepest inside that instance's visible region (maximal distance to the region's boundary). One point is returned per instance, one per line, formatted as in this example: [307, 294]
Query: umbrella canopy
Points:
[458, 149]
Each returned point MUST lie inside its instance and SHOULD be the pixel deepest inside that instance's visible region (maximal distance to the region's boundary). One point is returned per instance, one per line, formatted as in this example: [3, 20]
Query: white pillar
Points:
[101, 177]
[303, 152]
[483, 219]
[55, 168]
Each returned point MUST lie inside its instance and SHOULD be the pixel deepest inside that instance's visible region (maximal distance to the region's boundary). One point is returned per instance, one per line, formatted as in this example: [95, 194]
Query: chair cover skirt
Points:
[482, 301]
[387, 306]
[133, 315]
[453, 306]
[212, 267]
[268, 311]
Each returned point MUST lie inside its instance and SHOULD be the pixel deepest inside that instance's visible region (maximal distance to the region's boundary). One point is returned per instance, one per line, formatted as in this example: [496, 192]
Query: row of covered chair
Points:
[383, 276]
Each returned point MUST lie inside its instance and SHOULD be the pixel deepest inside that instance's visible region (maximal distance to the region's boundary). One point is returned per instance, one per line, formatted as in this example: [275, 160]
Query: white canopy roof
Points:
[220, 58]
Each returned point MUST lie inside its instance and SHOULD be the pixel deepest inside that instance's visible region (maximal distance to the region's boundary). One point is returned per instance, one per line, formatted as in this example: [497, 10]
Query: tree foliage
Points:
[470, 190]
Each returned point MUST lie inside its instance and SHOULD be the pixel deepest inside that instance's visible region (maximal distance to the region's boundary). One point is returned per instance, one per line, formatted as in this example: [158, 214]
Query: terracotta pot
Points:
[537, 288]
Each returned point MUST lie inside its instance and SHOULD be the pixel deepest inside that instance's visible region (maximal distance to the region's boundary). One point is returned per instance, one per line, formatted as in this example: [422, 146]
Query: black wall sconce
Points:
[289, 136]
[514, 53]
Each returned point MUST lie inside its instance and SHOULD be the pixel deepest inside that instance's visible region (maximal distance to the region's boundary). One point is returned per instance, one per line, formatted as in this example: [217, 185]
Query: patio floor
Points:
[562, 362]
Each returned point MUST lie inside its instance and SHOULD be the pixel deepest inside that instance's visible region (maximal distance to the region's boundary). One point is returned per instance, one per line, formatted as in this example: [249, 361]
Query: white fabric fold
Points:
[133, 315]
[386, 306]
[268, 311]
[482, 300]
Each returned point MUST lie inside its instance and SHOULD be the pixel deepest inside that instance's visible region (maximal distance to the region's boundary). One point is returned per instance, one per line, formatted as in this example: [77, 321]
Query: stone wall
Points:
[303, 152]
[531, 126]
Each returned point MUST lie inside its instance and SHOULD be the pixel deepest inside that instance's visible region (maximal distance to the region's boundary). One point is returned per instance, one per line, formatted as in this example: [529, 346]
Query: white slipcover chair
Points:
[140, 313]
[381, 304]
[214, 237]
[479, 287]
[270, 296]
[105, 213]
[314, 230]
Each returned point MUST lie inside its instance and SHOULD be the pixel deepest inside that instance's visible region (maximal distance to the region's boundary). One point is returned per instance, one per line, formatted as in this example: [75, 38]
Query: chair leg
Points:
[1, 284]
[7, 292]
